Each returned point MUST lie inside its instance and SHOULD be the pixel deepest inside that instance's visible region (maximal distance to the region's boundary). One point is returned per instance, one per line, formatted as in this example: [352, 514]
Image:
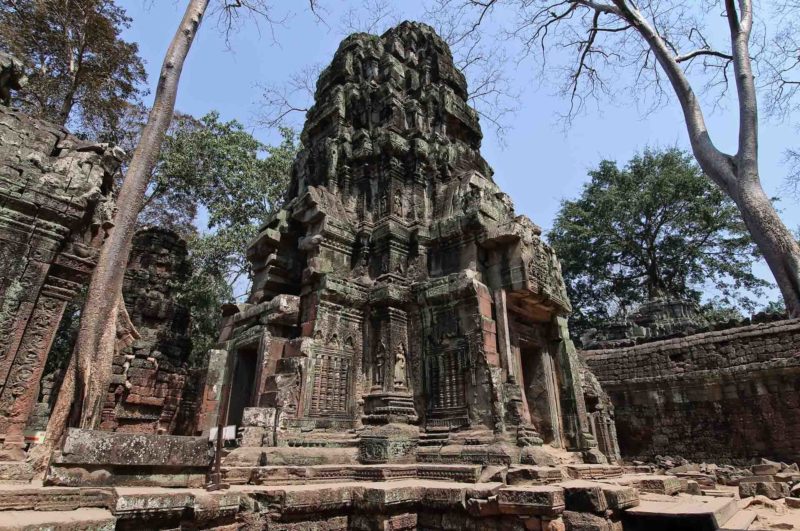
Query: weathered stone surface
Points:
[668, 485]
[684, 395]
[793, 503]
[533, 475]
[685, 512]
[92, 447]
[533, 500]
[397, 285]
[152, 390]
[773, 490]
[584, 496]
[87, 519]
[619, 497]
[579, 521]
[55, 205]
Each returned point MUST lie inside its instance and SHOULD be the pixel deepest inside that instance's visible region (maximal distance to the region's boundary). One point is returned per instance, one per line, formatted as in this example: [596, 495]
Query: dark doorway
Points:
[244, 373]
[539, 388]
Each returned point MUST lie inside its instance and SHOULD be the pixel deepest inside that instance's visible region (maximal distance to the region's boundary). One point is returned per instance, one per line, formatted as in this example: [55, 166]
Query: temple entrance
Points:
[244, 373]
[541, 389]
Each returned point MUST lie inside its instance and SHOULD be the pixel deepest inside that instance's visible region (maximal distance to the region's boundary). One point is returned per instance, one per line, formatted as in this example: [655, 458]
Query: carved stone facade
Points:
[55, 202]
[399, 304]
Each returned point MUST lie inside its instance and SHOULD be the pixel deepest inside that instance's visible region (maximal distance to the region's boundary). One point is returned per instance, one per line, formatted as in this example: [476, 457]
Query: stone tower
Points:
[399, 304]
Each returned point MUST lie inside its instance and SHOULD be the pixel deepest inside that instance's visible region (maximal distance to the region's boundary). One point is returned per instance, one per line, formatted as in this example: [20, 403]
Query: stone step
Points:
[305, 475]
[15, 472]
[740, 521]
[54, 498]
[85, 519]
[667, 513]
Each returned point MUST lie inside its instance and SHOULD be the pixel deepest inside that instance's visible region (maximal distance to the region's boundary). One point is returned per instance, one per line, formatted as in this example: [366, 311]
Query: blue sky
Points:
[541, 162]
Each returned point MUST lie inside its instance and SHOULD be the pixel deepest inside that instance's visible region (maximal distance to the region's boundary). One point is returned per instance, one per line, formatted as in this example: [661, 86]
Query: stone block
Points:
[261, 417]
[578, 521]
[533, 500]
[318, 499]
[100, 448]
[85, 519]
[771, 489]
[533, 475]
[793, 503]
[619, 497]
[387, 497]
[766, 469]
[584, 496]
[253, 436]
[535, 455]
[668, 485]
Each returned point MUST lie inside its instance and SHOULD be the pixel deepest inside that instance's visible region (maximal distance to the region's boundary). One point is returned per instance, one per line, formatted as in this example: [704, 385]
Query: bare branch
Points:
[696, 53]
[280, 103]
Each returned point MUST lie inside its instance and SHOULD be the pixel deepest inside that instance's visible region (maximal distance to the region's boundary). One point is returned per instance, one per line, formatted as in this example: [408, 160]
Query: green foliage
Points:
[81, 73]
[238, 181]
[717, 311]
[653, 228]
[777, 306]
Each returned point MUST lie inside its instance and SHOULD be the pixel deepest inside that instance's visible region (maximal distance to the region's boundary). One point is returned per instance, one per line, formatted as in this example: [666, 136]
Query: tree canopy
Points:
[697, 54]
[81, 72]
[656, 227]
[219, 168]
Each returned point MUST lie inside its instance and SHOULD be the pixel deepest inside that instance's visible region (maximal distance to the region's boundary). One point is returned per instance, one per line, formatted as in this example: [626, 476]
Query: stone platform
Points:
[397, 497]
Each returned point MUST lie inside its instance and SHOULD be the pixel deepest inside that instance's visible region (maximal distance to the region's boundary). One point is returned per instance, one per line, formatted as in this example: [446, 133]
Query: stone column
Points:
[578, 416]
[503, 337]
[553, 398]
[20, 393]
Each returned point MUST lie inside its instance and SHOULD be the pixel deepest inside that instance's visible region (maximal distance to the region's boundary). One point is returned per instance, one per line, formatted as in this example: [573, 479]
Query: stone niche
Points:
[400, 307]
[55, 205]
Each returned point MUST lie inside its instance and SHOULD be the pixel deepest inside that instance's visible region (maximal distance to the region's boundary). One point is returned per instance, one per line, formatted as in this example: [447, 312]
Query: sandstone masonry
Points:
[719, 396]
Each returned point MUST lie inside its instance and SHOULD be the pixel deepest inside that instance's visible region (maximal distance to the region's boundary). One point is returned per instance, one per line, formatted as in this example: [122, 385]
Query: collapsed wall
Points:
[151, 374]
[718, 396]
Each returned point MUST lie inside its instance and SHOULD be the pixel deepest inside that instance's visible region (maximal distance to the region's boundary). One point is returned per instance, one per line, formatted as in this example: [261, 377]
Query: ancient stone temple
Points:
[54, 209]
[400, 305]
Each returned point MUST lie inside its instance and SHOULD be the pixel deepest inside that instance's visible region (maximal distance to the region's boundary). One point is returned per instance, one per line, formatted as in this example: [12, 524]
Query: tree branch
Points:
[697, 53]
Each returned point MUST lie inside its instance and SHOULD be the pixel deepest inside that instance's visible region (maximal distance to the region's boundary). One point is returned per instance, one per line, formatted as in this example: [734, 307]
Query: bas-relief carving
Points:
[392, 214]
[53, 214]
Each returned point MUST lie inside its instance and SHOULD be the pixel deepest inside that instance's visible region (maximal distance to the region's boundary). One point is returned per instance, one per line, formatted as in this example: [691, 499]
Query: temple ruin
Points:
[400, 305]
[55, 193]
[403, 360]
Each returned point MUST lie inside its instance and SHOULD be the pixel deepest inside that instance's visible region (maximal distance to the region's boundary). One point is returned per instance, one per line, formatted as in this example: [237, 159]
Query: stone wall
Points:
[724, 395]
[55, 204]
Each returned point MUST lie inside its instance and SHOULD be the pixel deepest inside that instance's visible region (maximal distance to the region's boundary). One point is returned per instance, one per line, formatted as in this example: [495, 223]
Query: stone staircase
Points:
[434, 436]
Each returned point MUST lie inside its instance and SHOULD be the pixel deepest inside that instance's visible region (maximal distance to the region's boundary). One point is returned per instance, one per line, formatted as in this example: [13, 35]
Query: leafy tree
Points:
[657, 51]
[656, 227]
[89, 370]
[220, 167]
[236, 178]
[82, 74]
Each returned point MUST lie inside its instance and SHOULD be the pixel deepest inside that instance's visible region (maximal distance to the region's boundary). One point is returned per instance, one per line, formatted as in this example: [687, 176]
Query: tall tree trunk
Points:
[775, 241]
[93, 350]
[738, 174]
